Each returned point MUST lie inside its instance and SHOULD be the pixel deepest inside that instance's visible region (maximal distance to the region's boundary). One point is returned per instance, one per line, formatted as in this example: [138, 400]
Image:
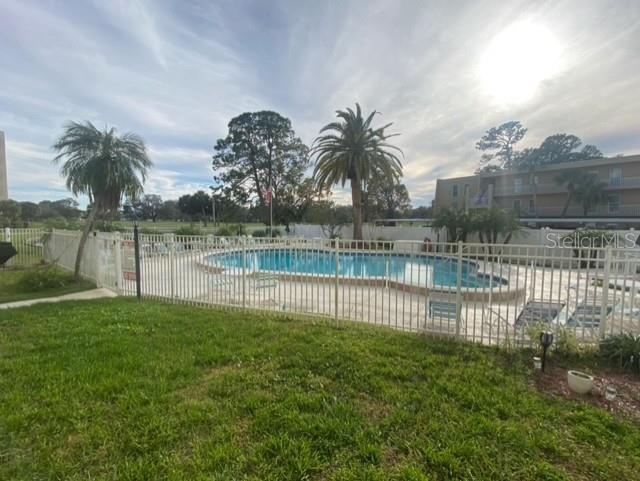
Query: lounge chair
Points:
[535, 311]
[263, 280]
[588, 313]
[443, 315]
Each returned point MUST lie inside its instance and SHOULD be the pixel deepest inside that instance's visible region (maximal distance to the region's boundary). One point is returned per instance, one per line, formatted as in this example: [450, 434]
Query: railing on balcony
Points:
[623, 182]
[604, 210]
[480, 201]
[555, 188]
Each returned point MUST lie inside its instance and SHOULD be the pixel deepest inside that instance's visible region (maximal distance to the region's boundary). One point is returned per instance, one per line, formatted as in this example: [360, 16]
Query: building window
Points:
[615, 177]
[614, 204]
[516, 205]
[517, 186]
[454, 191]
[532, 205]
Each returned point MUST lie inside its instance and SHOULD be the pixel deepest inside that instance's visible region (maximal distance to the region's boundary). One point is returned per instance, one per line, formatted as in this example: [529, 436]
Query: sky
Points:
[176, 72]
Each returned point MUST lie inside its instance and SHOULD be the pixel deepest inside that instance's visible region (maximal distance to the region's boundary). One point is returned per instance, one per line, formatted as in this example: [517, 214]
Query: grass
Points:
[12, 289]
[114, 389]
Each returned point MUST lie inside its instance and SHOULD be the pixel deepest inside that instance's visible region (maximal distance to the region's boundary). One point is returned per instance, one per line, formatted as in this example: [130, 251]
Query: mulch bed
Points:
[627, 403]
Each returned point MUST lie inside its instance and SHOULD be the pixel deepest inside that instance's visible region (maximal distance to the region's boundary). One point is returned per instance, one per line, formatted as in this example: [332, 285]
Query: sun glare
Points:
[517, 60]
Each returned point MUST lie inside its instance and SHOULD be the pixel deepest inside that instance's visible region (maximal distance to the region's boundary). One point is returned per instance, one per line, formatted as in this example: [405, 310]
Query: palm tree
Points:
[457, 223]
[102, 165]
[568, 179]
[589, 191]
[493, 223]
[354, 151]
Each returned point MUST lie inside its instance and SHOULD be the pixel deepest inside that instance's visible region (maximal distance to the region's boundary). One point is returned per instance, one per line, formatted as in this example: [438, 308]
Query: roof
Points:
[623, 159]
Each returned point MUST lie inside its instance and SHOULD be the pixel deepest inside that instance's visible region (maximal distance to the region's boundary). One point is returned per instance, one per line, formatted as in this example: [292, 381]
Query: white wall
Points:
[532, 237]
[4, 189]
[370, 232]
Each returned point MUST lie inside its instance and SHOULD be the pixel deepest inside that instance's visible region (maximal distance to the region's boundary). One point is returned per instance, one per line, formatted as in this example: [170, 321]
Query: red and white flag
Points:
[268, 195]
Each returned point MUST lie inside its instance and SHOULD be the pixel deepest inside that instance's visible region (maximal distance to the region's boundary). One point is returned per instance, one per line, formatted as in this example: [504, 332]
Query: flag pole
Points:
[271, 211]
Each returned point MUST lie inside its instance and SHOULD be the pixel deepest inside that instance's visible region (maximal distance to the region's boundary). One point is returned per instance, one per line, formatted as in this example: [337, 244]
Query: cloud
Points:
[176, 72]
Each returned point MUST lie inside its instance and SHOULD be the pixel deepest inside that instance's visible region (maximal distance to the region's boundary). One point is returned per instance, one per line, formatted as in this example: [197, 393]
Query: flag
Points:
[268, 195]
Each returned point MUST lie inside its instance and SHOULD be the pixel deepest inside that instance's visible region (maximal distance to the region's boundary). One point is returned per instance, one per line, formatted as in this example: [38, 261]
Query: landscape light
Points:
[537, 363]
[610, 393]
[546, 339]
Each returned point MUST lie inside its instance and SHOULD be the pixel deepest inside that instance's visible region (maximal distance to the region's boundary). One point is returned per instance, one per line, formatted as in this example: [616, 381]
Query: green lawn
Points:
[118, 390]
[11, 290]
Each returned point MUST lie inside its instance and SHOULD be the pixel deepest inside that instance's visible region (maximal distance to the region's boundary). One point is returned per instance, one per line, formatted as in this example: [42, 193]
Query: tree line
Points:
[500, 153]
[21, 214]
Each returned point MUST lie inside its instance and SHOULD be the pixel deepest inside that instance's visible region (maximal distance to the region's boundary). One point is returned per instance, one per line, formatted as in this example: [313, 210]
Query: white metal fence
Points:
[492, 294]
[29, 244]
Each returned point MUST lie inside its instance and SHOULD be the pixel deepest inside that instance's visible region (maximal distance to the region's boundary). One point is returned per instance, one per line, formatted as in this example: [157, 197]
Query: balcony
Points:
[623, 183]
[527, 189]
[604, 210]
[614, 183]
[479, 202]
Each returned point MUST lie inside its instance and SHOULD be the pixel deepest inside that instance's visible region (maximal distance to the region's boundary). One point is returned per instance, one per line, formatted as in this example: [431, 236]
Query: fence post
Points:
[337, 278]
[136, 253]
[459, 289]
[171, 240]
[117, 246]
[605, 290]
[96, 254]
[7, 238]
[244, 272]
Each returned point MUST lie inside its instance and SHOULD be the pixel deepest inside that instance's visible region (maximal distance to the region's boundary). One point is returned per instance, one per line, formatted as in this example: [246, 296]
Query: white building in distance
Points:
[4, 187]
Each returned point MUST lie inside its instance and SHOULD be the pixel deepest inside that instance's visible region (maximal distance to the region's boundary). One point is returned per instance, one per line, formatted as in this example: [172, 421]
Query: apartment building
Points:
[538, 198]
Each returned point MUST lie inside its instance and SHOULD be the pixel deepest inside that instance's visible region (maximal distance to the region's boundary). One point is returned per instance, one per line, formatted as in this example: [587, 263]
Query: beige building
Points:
[538, 198]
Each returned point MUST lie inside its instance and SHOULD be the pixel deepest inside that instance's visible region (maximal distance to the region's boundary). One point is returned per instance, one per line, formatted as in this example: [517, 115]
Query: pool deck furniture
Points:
[535, 311]
[443, 315]
[263, 280]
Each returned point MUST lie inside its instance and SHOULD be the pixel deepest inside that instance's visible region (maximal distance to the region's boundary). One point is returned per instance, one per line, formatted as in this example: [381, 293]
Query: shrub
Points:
[188, 230]
[622, 350]
[224, 231]
[62, 223]
[48, 277]
[105, 226]
[265, 233]
[565, 342]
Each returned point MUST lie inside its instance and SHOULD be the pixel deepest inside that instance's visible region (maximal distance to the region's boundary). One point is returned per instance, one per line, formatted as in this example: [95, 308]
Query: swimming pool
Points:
[425, 271]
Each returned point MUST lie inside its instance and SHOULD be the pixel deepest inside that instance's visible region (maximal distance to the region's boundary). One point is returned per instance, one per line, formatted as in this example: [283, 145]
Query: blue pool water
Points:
[396, 267]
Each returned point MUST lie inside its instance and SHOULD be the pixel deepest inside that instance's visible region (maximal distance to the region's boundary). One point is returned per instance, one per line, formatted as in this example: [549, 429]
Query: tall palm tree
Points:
[589, 191]
[354, 151]
[103, 166]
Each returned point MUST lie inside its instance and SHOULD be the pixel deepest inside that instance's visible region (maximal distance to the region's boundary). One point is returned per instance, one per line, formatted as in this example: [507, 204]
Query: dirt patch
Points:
[373, 409]
[627, 386]
[196, 393]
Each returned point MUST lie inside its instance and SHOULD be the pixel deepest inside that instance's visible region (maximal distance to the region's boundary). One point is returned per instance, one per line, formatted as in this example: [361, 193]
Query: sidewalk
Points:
[75, 296]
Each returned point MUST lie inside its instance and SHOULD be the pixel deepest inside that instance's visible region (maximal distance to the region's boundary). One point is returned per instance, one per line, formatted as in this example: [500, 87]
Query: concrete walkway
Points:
[75, 296]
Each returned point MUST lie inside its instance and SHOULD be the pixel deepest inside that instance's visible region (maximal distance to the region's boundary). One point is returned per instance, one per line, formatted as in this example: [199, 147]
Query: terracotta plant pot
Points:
[579, 382]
